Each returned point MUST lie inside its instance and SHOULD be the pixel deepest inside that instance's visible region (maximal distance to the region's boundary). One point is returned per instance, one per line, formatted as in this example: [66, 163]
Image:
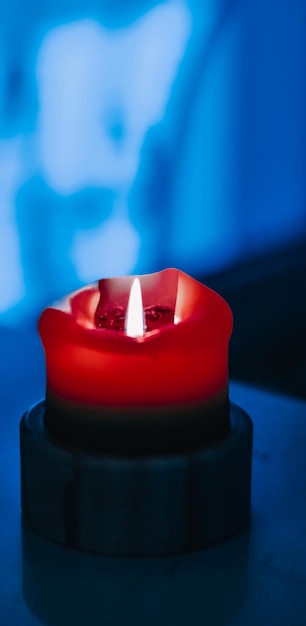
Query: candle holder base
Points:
[135, 506]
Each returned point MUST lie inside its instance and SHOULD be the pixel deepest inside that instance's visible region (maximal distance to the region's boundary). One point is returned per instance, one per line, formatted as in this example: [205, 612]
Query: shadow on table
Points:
[63, 586]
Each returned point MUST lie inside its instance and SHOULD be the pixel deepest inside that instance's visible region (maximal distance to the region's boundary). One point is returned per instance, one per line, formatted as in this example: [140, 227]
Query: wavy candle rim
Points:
[179, 362]
[83, 326]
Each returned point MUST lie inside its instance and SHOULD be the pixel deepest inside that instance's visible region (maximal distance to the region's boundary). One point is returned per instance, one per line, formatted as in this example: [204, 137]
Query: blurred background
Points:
[139, 135]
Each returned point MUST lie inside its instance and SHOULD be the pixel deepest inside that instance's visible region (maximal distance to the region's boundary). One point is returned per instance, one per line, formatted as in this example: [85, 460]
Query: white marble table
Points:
[259, 577]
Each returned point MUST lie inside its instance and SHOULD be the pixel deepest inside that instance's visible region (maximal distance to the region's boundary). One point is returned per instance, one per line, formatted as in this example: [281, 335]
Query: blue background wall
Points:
[140, 135]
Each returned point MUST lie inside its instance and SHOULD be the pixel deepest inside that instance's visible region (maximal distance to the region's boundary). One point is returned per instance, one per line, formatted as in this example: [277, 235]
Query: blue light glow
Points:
[135, 136]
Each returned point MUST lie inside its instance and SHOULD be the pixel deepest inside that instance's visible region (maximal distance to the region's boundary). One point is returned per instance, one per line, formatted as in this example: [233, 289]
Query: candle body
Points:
[136, 425]
[108, 380]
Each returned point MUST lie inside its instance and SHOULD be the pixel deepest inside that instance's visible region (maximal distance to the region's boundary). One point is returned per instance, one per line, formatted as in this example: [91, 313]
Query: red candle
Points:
[136, 449]
[179, 359]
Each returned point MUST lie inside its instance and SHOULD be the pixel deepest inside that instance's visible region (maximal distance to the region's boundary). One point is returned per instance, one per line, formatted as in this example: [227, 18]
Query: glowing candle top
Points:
[173, 349]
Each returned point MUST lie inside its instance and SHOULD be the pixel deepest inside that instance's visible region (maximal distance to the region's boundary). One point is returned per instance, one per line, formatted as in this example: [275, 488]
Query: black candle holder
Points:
[136, 503]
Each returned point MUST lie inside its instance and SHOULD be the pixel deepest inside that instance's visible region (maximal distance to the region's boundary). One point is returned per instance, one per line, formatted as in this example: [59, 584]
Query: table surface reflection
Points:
[258, 577]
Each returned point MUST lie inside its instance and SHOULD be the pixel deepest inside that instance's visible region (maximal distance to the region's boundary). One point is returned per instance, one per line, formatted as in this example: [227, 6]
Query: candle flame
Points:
[134, 321]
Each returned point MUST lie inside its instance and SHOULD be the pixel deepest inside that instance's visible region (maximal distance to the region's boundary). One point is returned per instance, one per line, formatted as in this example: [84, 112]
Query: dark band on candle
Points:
[138, 430]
